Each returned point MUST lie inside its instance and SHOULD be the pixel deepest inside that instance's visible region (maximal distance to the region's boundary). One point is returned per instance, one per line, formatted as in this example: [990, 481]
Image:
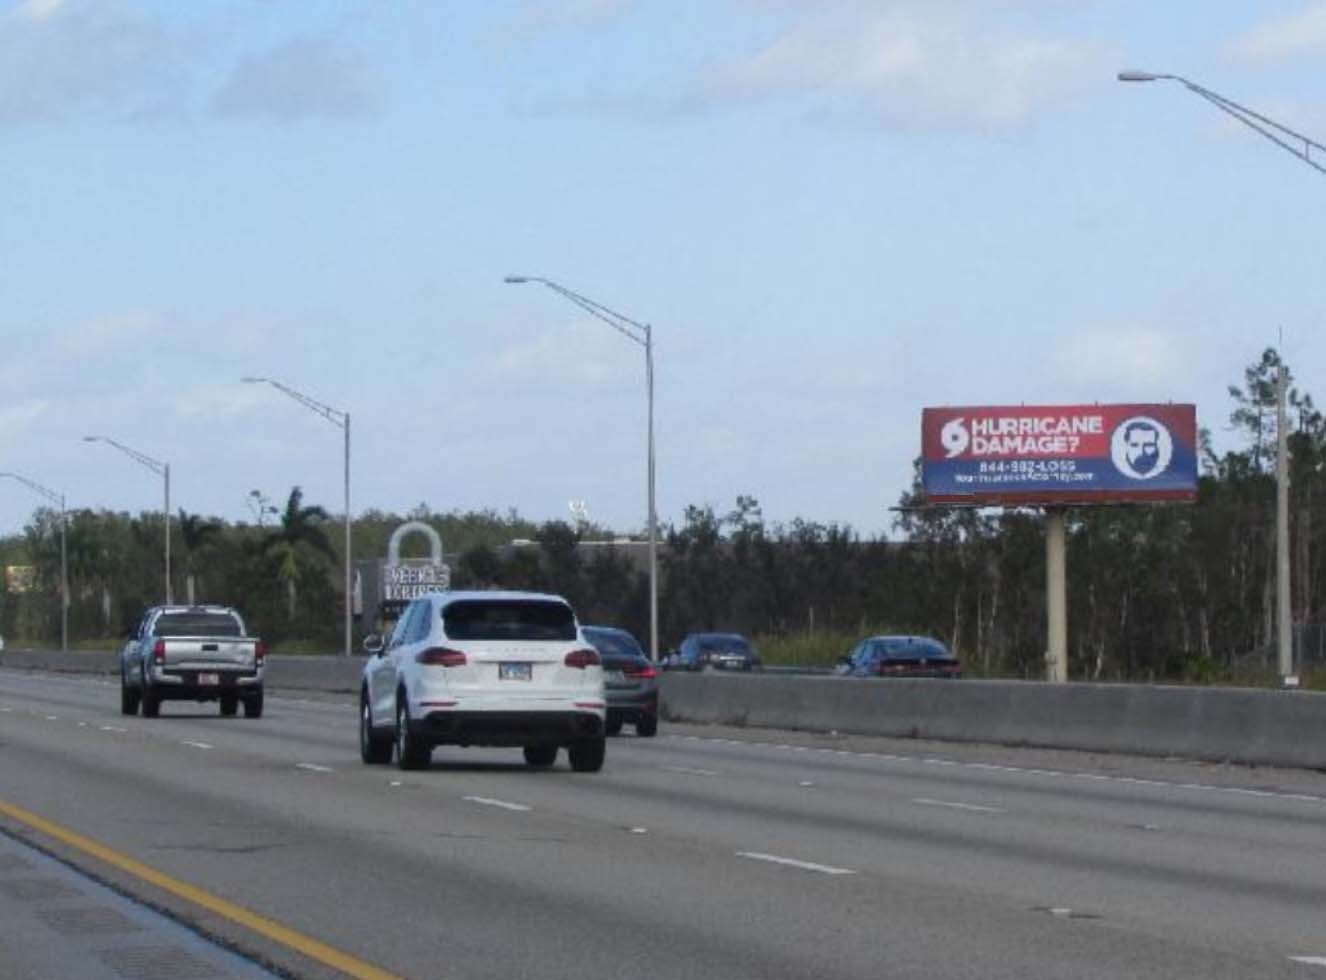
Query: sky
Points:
[832, 213]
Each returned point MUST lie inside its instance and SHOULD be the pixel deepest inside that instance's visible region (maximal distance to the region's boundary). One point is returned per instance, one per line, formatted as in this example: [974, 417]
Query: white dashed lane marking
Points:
[313, 767]
[500, 804]
[972, 807]
[825, 869]
[688, 771]
[1310, 960]
[196, 745]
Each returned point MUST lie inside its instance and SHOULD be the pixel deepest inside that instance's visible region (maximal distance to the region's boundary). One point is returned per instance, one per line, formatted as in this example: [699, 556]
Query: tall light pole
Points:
[1300, 146]
[342, 421]
[160, 469]
[642, 334]
[55, 498]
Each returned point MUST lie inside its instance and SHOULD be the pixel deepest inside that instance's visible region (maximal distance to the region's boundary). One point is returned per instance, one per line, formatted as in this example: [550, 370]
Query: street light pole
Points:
[342, 420]
[55, 498]
[160, 469]
[642, 334]
[1288, 140]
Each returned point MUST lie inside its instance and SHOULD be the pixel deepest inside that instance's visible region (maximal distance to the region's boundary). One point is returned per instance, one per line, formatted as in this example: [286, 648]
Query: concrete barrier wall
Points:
[284, 672]
[1240, 725]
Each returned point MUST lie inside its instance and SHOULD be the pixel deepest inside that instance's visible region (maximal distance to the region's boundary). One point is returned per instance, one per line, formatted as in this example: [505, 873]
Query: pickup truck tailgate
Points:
[209, 652]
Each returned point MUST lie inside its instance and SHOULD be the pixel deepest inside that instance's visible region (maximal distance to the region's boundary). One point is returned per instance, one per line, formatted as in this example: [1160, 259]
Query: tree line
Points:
[1156, 592]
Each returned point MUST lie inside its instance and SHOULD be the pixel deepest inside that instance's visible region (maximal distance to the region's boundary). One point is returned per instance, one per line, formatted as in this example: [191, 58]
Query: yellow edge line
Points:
[307, 945]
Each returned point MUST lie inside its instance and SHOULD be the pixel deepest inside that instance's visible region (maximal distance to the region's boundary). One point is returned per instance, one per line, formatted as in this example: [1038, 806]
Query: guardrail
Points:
[1257, 727]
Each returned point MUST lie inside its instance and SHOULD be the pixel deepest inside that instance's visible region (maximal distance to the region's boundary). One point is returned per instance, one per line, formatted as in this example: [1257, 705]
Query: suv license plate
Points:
[513, 672]
[209, 679]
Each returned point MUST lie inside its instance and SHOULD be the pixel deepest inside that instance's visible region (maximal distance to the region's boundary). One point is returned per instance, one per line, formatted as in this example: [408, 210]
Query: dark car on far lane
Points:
[629, 680]
[715, 651]
[899, 656]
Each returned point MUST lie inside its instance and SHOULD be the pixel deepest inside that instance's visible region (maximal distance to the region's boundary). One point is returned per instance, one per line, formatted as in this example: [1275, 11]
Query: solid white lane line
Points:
[825, 869]
[1047, 773]
[1310, 960]
[973, 807]
[500, 804]
[196, 745]
[313, 767]
[688, 771]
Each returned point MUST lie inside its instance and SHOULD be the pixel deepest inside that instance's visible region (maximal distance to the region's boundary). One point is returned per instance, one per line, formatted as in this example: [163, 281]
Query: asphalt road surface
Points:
[703, 853]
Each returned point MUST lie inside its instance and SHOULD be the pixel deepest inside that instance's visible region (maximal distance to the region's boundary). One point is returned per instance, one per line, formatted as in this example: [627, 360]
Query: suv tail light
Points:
[580, 659]
[159, 652]
[441, 657]
[642, 673]
[259, 653]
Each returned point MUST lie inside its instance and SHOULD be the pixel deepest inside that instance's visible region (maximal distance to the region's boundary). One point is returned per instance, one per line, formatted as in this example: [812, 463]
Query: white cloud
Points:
[580, 355]
[922, 66]
[14, 419]
[1299, 33]
[550, 15]
[301, 79]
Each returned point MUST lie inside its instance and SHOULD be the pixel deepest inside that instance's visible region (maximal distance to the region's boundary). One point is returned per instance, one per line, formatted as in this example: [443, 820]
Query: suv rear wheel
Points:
[540, 755]
[647, 726]
[587, 754]
[410, 752]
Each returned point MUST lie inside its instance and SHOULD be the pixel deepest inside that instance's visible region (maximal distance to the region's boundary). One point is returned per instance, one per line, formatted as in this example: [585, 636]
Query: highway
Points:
[704, 852]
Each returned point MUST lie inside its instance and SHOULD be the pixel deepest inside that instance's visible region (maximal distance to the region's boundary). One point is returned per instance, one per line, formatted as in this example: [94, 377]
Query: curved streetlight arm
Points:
[1277, 133]
[342, 421]
[332, 415]
[155, 465]
[58, 499]
[51, 495]
[623, 324]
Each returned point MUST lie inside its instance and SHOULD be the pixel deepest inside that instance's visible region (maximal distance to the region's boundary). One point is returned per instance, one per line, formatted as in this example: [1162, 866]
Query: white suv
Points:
[483, 668]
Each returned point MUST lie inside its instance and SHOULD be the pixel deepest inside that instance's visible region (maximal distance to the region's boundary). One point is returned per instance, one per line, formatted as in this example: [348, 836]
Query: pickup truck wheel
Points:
[253, 705]
[129, 698]
[587, 754]
[410, 753]
[151, 702]
[540, 756]
[647, 726]
[373, 749]
[229, 705]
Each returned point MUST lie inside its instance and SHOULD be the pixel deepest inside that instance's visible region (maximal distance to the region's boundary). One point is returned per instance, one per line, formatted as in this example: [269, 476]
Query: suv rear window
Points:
[196, 624]
[520, 619]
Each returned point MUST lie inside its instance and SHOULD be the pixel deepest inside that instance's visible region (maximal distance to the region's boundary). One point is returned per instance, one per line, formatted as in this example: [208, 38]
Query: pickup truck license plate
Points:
[209, 679]
[513, 672]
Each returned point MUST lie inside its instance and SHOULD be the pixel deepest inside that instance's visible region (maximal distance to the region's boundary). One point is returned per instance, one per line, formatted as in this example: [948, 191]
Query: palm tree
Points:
[196, 532]
[300, 531]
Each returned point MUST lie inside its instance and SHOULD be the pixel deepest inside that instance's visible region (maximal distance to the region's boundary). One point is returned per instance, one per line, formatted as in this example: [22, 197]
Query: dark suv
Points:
[629, 680]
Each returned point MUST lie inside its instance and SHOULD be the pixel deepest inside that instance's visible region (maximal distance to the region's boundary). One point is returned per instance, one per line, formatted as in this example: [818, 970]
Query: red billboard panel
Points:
[1062, 454]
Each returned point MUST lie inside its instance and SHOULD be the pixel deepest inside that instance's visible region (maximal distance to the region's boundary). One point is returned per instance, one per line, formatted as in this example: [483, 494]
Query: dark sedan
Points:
[715, 651]
[899, 656]
[629, 680]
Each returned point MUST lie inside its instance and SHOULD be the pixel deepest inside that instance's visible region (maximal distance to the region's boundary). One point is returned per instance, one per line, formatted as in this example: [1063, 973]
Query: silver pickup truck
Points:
[191, 653]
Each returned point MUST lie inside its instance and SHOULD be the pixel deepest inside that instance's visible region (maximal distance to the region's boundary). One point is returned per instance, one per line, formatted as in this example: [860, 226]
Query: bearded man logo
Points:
[1141, 448]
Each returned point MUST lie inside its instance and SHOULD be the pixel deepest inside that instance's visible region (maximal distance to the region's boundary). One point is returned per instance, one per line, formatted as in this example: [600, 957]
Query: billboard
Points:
[1062, 454]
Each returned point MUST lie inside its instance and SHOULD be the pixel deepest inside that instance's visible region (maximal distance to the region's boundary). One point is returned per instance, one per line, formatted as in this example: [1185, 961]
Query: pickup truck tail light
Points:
[580, 659]
[159, 652]
[441, 657]
[259, 653]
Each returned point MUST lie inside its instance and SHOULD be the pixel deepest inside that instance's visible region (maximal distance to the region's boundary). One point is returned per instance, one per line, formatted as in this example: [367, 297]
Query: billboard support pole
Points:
[1056, 596]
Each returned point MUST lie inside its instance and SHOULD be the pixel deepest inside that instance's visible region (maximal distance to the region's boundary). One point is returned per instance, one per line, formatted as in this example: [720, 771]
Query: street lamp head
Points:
[515, 279]
[92, 438]
[252, 381]
[1140, 76]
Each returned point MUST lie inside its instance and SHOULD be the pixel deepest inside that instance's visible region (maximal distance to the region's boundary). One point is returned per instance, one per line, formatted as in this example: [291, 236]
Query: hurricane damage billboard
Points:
[1059, 454]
